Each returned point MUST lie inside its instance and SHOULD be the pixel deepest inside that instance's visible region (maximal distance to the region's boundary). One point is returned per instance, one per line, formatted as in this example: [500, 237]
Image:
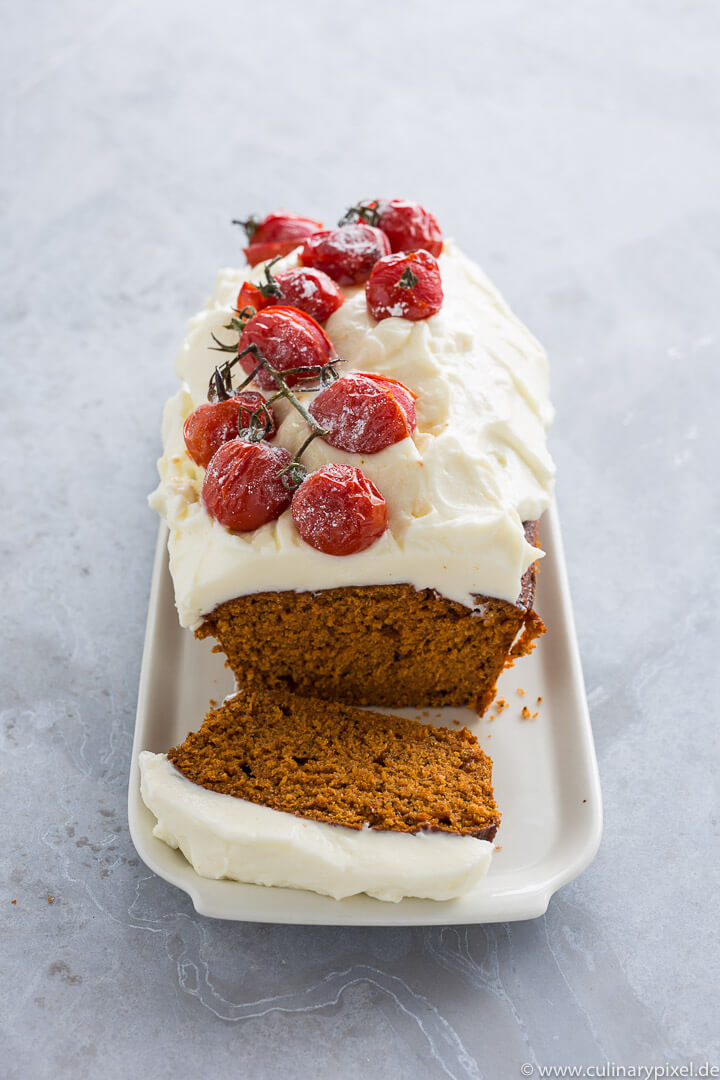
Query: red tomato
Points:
[347, 254]
[242, 488]
[287, 338]
[276, 234]
[405, 285]
[251, 296]
[409, 226]
[258, 253]
[216, 422]
[339, 511]
[365, 413]
[309, 290]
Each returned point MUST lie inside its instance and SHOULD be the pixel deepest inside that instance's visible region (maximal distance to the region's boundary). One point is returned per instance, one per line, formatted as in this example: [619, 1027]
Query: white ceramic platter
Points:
[545, 772]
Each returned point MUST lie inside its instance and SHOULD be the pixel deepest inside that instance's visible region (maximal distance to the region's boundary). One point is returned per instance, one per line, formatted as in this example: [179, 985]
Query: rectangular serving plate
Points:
[545, 771]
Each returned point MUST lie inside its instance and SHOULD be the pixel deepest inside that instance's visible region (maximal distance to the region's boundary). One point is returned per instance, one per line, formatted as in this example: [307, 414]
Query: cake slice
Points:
[275, 789]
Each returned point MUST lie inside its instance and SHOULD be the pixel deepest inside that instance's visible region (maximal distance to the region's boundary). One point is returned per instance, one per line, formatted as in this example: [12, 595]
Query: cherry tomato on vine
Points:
[242, 488]
[301, 287]
[277, 234]
[287, 338]
[214, 423]
[252, 296]
[409, 226]
[347, 254]
[405, 285]
[364, 412]
[339, 511]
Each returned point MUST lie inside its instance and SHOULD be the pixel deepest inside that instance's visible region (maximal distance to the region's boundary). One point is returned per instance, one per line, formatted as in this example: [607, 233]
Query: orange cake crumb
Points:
[391, 645]
[342, 765]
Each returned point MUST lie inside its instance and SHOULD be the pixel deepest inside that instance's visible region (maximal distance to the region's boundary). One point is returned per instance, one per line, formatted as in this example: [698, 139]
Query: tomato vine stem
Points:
[221, 388]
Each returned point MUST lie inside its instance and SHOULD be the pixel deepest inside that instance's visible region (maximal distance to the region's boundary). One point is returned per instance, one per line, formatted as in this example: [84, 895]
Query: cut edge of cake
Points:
[393, 646]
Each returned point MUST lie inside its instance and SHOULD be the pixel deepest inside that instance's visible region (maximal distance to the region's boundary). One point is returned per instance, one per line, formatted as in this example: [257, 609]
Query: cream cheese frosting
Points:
[225, 837]
[457, 491]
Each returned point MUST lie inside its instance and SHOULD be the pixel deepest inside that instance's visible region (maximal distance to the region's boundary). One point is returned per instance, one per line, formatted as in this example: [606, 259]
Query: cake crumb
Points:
[15, 901]
[51, 899]
[498, 847]
[520, 691]
[539, 699]
[501, 704]
[325, 761]
[526, 714]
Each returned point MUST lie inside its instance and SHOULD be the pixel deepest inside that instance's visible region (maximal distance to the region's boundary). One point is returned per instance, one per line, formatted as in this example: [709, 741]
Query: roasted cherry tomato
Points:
[347, 254]
[409, 226]
[276, 234]
[405, 285]
[243, 488]
[364, 413]
[309, 290]
[339, 511]
[214, 423]
[287, 338]
[252, 296]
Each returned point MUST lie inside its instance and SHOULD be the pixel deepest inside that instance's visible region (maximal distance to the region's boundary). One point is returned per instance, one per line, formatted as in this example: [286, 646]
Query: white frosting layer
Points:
[457, 492]
[225, 837]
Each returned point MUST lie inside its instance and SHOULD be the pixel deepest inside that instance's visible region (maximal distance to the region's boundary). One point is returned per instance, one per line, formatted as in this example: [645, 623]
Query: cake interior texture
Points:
[335, 763]
[391, 645]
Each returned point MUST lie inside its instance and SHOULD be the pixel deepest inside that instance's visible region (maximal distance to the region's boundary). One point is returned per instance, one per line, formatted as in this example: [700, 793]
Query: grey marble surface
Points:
[572, 148]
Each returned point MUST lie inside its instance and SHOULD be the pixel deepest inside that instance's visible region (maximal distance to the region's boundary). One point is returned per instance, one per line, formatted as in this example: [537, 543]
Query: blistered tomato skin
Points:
[309, 290]
[312, 291]
[365, 413]
[409, 226]
[278, 234]
[287, 338]
[346, 254]
[339, 511]
[215, 423]
[407, 286]
[242, 489]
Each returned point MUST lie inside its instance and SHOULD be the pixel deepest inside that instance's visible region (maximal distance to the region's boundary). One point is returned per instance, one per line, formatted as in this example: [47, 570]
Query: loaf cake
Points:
[428, 613]
[279, 789]
[353, 472]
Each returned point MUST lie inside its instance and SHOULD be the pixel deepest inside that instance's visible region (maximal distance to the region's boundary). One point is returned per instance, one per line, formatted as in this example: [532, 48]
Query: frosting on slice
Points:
[225, 837]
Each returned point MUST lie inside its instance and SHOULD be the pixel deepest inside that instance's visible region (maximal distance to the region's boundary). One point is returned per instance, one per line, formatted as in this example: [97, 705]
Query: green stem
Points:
[369, 212]
[220, 389]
